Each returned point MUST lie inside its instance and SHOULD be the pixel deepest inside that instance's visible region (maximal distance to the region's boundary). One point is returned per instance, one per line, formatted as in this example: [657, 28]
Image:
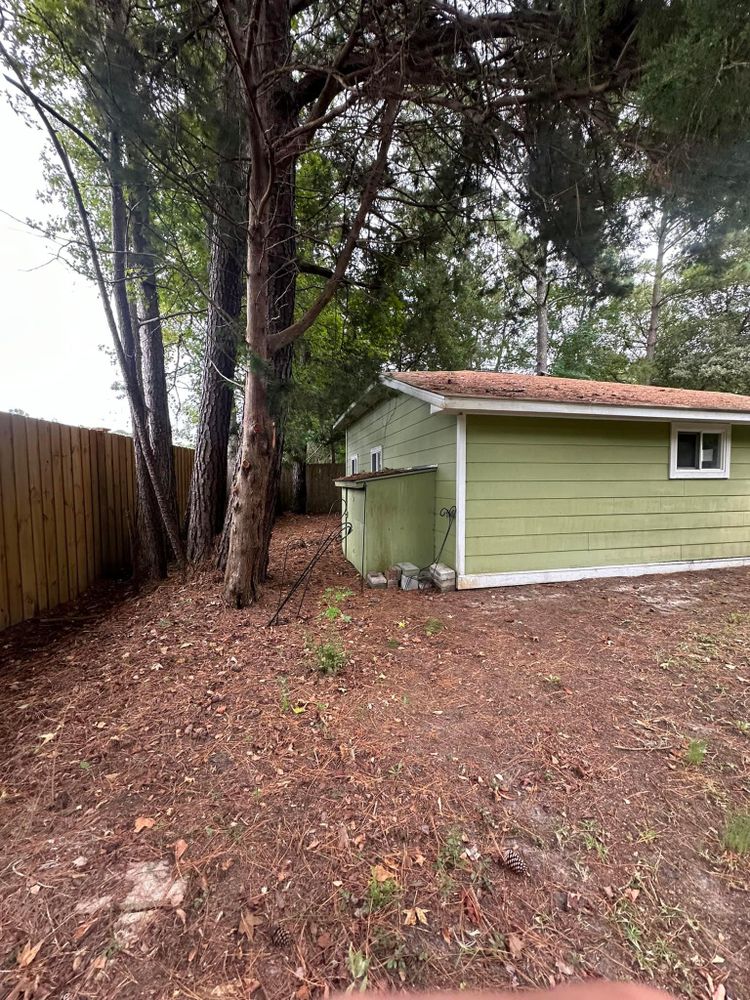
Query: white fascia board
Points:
[473, 581]
[433, 398]
[518, 407]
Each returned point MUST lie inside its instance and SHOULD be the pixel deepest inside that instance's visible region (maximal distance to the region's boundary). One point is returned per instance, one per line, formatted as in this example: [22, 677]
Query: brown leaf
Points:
[381, 874]
[28, 953]
[248, 922]
[563, 968]
[471, 907]
[515, 945]
[324, 940]
[143, 823]
[180, 846]
[82, 930]
[303, 993]
[415, 915]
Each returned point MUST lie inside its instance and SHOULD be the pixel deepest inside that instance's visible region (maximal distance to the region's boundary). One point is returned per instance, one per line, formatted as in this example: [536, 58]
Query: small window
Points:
[353, 464]
[376, 459]
[699, 452]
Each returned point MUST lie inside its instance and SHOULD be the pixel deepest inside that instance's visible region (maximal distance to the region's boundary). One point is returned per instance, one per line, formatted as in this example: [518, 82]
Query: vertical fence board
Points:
[67, 495]
[70, 521]
[48, 513]
[88, 490]
[23, 515]
[10, 569]
[58, 503]
[36, 513]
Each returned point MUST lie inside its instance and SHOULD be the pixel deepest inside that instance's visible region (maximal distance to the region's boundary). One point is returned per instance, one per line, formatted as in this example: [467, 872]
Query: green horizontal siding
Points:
[409, 436]
[548, 493]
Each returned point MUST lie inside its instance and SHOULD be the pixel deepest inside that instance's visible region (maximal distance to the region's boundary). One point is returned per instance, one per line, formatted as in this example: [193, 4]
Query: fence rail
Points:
[65, 496]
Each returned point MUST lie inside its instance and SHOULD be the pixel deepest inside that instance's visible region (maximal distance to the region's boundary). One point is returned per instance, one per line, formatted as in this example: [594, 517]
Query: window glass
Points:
[353, 465]
[376, 461]
[710, 451]
[687, 450]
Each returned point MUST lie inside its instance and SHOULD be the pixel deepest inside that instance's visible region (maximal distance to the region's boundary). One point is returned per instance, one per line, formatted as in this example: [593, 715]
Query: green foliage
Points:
[329, 656]
[449, 855]
[358, 965]
[695, 753]
[433, 626]
[736, 836]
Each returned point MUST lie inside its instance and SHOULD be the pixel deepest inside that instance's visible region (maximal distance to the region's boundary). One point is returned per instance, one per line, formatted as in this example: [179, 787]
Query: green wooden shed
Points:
[551, 479]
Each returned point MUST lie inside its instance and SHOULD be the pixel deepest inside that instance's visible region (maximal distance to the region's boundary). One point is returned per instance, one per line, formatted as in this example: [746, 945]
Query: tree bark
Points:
[299, 486]
[208, 487]
[150, 344]
[657, 297]
[542, 314]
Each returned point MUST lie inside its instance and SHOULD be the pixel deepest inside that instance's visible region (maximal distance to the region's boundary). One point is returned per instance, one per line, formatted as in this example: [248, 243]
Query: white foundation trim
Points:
[474, 581]
[460, 493]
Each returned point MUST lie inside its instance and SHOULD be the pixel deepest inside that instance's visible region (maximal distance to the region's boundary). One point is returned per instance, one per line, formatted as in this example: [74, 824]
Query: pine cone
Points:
[513, 860]
[281, 937]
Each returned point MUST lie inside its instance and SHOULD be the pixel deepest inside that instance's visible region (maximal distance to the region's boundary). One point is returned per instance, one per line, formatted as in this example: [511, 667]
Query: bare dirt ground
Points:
[292, 833]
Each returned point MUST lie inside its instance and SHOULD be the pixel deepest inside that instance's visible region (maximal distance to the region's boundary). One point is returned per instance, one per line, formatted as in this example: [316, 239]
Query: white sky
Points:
[52, 324]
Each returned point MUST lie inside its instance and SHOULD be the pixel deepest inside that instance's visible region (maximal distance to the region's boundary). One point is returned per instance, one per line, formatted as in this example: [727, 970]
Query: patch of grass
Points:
[285, 703]
[650, 953]
[379, 895]
[593, 838]
[395, 771]
[736, 836]
[553, 680]
[330, 657]
[433, 626]
[696, 752]
[84, 765]
[393, 643]
[647, 835]
[742, 726]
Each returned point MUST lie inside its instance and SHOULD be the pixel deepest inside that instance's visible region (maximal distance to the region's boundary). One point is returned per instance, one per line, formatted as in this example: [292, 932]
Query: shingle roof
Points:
[501, 385]
[361, 477]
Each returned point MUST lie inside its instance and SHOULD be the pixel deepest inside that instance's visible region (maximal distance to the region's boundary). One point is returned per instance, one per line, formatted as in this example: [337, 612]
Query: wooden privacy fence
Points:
[65, 496]
[322, 495]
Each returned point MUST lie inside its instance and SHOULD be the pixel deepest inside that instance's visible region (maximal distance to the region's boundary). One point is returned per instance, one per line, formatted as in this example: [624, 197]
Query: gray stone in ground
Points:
[129, 927]
[443, 576]
[153, 886]
[377, 581]
[88, 907]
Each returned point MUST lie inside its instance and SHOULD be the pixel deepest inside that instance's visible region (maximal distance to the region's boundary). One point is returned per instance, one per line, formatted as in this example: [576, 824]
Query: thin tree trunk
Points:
[542, 314]
[208, 488]
[657, 297]
[150, 340]
[299, 486]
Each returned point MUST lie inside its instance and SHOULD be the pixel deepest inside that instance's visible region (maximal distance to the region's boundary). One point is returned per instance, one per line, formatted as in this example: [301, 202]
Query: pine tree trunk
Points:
[208, 487]
[542, 315]
[151, 356]
[299, 486]
[271, 268]
[657, 297]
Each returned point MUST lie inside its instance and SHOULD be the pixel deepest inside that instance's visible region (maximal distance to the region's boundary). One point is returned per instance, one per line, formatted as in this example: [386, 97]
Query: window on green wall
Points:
[376, 459]
[699, 452]
[353, 464]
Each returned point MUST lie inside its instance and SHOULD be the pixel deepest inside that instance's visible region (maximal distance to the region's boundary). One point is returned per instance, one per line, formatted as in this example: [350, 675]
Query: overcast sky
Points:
[51, 362]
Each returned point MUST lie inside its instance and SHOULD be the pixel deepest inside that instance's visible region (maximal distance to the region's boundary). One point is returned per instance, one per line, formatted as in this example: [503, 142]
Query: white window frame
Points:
[725, 430]
[379, 452]
[353, 465]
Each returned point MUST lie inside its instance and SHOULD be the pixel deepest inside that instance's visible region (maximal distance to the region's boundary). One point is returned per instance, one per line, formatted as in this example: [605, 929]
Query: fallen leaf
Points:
[323, 940]
[82, 930]
[415, 915]
[303, 993]
[471, 907]
[180, 846]
[563, 968]
[143, 823]
[28, 953]
[381, 874]
[46, 737]
[719, 993]
[99, 963]
[515, 945]
[248, 922]
[419, 859]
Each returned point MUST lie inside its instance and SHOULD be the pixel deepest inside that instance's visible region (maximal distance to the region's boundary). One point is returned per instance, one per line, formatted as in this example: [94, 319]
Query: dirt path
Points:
[299, 832]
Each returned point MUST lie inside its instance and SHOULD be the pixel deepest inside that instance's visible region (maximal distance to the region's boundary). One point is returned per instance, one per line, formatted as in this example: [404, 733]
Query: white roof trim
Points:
[533, 407]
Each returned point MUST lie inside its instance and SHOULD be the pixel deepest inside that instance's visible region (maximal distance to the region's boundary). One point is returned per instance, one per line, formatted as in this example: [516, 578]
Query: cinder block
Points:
[409, 579]
[377, 581]
[443, 576]
[394, 576]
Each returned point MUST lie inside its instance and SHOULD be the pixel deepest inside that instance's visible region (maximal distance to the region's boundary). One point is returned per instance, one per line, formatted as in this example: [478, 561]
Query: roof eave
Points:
[372, 394]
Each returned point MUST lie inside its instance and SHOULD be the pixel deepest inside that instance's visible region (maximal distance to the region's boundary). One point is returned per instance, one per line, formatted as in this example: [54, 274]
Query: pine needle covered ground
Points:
[331, 801]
